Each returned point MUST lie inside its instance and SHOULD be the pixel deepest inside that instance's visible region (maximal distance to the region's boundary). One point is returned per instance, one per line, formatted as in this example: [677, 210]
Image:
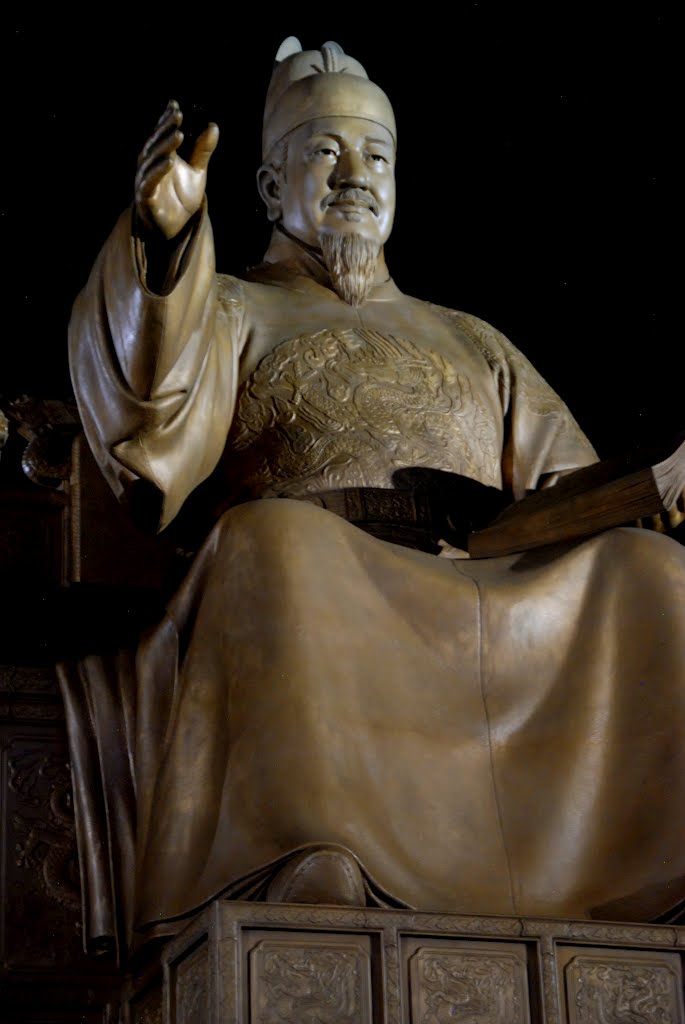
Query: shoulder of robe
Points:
[477, 333]
[230, 299]
[516, 375]
[494, 345]
[230, 290]
[515, 372]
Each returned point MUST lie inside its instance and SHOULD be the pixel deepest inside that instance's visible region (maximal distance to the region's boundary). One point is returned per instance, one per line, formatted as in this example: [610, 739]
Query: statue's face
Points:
[339, 177]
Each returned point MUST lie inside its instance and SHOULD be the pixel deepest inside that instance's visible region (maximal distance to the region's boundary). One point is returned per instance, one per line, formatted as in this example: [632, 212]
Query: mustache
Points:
[351, 195]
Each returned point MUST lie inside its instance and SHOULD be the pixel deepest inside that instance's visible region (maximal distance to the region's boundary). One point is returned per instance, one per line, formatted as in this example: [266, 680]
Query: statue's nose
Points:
[350, 171]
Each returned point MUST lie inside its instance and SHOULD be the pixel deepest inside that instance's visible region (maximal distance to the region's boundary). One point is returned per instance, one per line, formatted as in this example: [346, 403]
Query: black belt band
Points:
[424, 507]
[404, 517]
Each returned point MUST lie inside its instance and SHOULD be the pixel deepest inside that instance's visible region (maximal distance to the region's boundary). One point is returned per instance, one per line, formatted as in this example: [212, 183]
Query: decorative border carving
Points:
[28, 679]
[549, 979]
[13, 710]
[273, 913]
[393, 983]
[588, 931]
[30, 694]
[379, 920]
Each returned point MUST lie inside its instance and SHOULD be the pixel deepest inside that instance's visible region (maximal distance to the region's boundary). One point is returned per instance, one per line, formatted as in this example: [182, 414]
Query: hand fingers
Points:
[676, 516]
[147, 183]
[172, 114]
[162, 135]
[170, 121]
[204, 147]
[664, 522]
[166, 147]
[172, 107]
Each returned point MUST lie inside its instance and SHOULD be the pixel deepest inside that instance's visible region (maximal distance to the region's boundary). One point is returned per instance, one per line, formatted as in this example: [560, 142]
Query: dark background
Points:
[534, 148]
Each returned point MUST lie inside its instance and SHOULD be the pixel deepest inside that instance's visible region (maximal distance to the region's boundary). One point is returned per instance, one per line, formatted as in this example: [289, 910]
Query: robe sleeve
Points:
[542, 439]
[155, 377]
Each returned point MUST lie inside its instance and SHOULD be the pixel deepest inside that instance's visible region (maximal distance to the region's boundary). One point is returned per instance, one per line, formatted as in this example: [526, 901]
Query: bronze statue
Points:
[330, 713]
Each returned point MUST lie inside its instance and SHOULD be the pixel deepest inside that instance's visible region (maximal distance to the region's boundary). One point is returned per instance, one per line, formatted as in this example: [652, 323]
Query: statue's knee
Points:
[629, 542]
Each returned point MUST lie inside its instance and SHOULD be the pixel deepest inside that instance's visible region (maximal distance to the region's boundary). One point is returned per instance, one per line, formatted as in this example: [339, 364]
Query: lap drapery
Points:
[495, 737]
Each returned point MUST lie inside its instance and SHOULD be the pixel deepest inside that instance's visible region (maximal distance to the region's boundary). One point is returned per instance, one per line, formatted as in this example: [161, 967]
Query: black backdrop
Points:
[533, 190]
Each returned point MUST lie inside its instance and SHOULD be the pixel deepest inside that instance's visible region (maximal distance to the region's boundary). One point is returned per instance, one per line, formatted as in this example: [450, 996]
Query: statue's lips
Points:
[352, 204]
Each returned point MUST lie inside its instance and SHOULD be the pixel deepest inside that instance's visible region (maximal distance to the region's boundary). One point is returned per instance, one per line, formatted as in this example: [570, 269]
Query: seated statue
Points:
[339, 705]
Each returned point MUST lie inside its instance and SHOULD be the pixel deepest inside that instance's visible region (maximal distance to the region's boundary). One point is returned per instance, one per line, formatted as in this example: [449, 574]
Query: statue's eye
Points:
[378, 158]
[326, 151]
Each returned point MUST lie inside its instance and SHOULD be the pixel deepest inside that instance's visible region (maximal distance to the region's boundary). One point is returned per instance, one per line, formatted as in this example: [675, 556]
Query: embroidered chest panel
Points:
[346, 408]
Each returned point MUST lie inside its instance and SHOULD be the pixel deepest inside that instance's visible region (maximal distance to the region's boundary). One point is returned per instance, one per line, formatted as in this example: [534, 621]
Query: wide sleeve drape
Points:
[155, 376]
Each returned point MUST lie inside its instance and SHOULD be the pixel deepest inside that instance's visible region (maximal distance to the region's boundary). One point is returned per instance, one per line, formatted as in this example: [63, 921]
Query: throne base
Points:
[248, 963]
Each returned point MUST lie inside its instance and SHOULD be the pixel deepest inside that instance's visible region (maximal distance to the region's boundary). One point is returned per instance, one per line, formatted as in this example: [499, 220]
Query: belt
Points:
[426, 506]
[411, 518]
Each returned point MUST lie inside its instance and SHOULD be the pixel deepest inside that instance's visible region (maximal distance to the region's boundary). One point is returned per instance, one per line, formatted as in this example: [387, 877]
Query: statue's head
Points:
[328, 176]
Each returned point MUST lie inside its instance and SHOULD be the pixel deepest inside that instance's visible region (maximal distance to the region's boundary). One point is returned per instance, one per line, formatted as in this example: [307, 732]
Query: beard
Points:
[351, 261]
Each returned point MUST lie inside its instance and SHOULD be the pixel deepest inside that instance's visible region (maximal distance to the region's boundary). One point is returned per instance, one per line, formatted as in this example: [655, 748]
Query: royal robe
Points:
[498, 736]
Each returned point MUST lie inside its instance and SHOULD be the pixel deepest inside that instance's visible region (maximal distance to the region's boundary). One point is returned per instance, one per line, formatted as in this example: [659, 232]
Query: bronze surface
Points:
[501, 736]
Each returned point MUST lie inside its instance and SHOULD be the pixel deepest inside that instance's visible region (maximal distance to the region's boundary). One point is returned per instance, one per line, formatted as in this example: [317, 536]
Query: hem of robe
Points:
[252, 888]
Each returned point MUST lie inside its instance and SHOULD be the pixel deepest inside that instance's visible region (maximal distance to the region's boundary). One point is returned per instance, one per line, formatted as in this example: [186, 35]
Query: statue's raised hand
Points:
[169, 190]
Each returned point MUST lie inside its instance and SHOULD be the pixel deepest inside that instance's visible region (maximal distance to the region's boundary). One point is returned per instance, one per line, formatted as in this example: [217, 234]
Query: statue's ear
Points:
[269, 185]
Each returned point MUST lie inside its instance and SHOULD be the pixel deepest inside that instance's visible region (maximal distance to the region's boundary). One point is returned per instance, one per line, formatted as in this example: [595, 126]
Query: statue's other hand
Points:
[668, 520]
[168, 189]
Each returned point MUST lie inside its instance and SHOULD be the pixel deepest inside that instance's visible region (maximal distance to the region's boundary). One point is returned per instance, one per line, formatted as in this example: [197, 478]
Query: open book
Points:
[613, 492]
